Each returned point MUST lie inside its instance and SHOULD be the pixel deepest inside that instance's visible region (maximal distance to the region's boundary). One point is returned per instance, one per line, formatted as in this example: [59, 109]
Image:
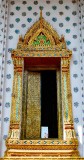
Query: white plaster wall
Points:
[67, 22]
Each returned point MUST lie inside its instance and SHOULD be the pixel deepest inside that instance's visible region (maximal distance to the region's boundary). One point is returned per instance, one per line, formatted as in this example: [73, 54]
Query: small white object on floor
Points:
[44, 132]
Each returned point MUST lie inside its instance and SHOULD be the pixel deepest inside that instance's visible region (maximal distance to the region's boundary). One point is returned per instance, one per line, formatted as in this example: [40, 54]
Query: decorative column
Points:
[59, 105]
[15, 121]
[24, 105]
[69, 132]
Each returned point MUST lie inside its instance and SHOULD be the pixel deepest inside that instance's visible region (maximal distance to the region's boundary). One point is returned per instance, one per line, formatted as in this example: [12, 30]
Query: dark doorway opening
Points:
[49, 102]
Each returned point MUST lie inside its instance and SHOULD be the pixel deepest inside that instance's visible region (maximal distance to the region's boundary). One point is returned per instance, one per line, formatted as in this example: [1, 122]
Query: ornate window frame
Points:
[56, 49]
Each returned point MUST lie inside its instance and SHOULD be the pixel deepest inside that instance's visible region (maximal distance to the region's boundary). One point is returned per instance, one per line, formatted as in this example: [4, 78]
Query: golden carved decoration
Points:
[33, 121]
[59, 105]
[63, 148]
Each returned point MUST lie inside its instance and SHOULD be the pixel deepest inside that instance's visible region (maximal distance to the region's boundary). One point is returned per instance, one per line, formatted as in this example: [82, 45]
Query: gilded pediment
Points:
[39, 28]
[42, 38]
[41, 34]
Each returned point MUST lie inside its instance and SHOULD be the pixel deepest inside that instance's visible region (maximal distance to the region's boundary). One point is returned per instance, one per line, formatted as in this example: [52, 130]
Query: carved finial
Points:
[20, 38]
[40, 13]
[41, 18]
[62, 38]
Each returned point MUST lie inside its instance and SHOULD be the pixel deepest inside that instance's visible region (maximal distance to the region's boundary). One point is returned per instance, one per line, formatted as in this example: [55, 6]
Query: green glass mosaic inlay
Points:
[41, 40]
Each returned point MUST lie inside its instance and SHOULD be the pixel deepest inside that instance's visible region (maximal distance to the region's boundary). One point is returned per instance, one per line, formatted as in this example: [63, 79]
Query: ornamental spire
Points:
[40, 13]
[41, 21]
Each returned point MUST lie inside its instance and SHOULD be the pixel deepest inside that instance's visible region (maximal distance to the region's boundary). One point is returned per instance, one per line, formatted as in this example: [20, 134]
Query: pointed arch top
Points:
[41, 27]
[41, 40]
